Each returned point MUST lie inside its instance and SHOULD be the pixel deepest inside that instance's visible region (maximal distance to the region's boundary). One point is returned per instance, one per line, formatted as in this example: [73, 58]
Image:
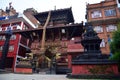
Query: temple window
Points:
[13, 37]
[96, 14]
[110, 12]
[11, 48]
[98, 29]
[111, 28]
[63, 31]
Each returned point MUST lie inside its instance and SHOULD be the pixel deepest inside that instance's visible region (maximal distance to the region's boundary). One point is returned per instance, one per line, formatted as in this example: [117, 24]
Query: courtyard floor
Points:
[12, 76]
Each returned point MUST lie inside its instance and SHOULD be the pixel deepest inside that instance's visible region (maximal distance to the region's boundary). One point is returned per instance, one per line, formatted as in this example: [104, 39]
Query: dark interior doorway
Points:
[9, 62]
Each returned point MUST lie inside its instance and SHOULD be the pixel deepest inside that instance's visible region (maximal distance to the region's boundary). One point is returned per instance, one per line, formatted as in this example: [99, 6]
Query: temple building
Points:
[61, 35]
[104, 17]
[60, 38]
[52, 37]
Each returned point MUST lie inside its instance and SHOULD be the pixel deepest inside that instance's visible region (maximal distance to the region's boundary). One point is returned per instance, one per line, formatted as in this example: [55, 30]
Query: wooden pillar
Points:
[69, 61]
[14, 63]
[67, 33]
[60, 34]
[52, 34]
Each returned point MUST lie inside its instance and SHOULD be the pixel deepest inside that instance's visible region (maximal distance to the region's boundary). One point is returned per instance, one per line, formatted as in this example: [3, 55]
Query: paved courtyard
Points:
[12, 76]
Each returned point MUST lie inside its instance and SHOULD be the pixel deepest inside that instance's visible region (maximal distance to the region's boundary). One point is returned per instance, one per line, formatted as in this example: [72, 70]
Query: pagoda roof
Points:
[78, 25]
[67, 12]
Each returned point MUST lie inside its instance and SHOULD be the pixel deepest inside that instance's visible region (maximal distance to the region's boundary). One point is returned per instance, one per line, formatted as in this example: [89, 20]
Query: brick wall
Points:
[103, 20]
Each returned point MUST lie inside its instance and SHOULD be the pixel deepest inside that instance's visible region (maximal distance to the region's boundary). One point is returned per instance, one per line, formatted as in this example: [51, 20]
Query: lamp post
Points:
[5, 49]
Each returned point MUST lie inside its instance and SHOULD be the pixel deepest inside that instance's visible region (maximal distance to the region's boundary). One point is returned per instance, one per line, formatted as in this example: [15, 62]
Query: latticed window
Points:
[98, 29]
[111, 28]
[96, 14]
[110, 12]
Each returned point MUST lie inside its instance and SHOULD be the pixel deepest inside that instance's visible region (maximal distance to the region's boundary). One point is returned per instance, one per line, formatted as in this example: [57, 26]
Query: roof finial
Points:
[55, 7]
[10, 5]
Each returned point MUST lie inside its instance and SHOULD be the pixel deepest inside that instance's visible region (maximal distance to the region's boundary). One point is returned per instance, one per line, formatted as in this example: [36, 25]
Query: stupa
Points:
[92, 63]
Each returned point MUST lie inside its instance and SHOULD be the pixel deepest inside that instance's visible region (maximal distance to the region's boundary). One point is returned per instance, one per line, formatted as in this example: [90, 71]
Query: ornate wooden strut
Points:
[44, 32]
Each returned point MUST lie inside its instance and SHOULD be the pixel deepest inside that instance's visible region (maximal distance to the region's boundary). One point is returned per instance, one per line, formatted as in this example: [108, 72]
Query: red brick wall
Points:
[102, 6]
[97, 69]
[24, 70]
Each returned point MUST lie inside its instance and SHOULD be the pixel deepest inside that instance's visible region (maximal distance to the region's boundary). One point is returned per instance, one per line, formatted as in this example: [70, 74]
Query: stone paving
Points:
[12, 76]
